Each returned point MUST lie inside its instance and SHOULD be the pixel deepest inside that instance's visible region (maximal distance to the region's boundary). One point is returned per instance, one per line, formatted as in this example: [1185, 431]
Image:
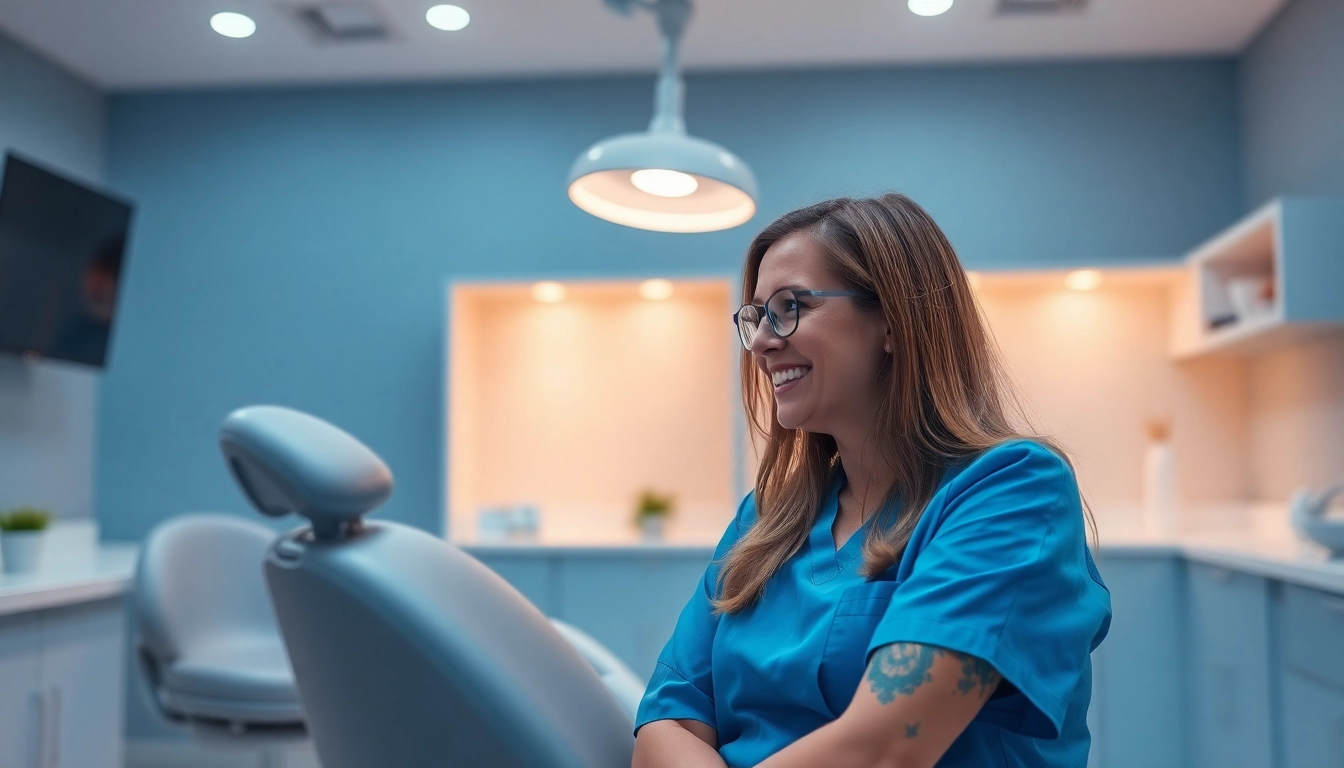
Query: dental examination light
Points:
[664, 179]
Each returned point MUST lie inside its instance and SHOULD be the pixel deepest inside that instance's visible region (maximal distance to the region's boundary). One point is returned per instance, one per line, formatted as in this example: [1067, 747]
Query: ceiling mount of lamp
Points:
[664, 179]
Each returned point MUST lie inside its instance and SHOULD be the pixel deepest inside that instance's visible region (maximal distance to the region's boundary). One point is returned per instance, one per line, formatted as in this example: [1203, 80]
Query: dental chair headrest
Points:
[288, 461]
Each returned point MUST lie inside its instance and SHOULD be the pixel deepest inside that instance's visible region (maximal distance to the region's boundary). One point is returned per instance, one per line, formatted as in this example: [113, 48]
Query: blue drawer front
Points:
[1313, 633]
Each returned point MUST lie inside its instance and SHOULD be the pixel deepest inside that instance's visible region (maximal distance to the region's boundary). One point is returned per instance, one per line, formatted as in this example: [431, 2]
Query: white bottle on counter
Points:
[1160, 504]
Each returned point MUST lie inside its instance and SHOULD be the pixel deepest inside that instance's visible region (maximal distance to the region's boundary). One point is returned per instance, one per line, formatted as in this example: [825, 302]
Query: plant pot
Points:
[20, 551]
[651, 528]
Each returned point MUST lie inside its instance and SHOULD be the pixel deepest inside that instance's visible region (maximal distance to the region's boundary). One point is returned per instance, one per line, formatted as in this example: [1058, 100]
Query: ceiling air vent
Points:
[1016, 7]
[342, 22]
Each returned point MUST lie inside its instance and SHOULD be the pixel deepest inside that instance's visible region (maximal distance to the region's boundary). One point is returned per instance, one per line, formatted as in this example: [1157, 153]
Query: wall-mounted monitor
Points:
[62, 253]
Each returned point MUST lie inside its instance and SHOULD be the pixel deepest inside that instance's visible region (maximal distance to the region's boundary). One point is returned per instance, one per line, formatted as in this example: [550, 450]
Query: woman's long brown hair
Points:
[947, 395]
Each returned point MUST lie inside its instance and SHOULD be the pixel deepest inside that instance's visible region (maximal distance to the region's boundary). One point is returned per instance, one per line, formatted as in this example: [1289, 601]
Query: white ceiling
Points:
[136, 44]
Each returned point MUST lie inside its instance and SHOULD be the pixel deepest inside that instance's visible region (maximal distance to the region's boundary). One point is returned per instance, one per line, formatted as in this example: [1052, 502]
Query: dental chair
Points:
[407, 651]
[207, 647]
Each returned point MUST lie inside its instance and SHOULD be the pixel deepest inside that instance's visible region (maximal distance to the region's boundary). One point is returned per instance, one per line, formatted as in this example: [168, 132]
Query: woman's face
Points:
[837, 347]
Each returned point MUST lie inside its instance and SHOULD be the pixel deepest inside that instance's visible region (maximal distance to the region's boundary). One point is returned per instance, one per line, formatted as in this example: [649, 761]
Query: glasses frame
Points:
[774, 319]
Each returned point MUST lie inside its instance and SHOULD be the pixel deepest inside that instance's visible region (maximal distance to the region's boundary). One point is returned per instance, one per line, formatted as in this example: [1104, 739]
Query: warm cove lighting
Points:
[930, 7]
[1083, 279]
[656, 289]
[548, 292]
[664, 183]
[449, 18]
[231, 24]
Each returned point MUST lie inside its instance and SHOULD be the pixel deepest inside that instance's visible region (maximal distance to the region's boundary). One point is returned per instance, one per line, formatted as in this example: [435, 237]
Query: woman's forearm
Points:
[666, 744]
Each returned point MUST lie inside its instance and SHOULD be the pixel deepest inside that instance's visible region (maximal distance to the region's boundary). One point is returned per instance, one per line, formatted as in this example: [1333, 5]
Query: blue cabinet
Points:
[628, 600]
[630, 604]
[1230, 716]
[536, 577]
[1312, 722]
[1138, 672]
[1311, 669]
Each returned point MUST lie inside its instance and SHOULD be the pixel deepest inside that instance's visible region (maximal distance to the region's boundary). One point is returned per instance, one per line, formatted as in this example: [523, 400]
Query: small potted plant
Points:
[21, 533]
[651, 514]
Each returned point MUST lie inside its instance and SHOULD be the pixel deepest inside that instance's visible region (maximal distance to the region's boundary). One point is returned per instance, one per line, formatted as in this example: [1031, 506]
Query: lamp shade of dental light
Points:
[664, 179]
[408, 652]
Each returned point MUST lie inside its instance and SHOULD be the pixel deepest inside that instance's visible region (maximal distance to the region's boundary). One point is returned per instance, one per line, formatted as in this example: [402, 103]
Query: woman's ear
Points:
[886, 342]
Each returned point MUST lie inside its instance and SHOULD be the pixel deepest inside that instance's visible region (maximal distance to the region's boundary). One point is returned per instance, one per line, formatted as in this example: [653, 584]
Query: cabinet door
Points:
[19, 700]
[1229, 667]
[84, 681]
[629, 603]
[534, 576]
[1312, 722]
[1142, 679]
[1096, 710]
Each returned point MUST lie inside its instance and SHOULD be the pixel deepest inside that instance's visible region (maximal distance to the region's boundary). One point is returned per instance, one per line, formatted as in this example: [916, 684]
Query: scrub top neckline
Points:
[827, 561]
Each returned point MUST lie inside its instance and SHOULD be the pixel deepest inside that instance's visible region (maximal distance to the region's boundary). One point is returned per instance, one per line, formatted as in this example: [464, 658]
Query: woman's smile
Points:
[785, 379]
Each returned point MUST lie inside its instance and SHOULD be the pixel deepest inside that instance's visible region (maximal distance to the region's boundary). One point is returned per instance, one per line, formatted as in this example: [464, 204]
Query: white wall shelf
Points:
[1273, 278]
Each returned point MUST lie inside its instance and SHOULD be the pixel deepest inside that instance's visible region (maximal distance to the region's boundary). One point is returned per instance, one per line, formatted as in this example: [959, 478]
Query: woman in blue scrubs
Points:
[909, 584]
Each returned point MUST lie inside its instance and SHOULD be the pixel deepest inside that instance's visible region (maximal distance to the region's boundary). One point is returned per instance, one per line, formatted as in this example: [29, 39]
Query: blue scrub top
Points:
[998, 567]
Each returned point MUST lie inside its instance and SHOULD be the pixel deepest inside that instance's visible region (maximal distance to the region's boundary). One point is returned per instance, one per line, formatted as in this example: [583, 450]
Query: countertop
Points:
[1265, 546]
[64, 578]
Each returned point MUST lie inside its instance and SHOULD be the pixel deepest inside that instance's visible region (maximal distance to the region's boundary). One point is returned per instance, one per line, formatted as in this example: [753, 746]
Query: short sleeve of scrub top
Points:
[683, 679]
[1003, 574]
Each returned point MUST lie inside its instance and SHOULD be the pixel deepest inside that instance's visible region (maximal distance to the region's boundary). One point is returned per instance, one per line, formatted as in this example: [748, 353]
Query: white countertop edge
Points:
[109, 575]
[529, 549]
[1325, 576]
[44, 596]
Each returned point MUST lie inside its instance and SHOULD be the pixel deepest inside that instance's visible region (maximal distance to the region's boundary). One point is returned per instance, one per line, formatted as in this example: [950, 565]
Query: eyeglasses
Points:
[781, 309]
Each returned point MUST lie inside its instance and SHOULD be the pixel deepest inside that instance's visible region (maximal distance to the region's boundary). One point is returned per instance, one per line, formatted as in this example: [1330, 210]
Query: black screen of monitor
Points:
[61, 251]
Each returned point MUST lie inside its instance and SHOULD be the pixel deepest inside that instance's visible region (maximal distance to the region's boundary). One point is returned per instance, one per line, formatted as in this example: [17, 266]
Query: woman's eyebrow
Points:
[790, 286]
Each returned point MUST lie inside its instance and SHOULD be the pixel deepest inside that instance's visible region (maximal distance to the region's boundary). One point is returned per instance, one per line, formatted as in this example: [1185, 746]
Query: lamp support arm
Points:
[669, 94]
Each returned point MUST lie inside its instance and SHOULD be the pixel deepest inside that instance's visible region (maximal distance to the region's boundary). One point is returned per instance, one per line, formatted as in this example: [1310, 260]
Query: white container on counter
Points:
[1160, 510]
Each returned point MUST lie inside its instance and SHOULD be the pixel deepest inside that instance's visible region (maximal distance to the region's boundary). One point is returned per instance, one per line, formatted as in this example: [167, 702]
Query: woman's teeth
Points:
[789, 374]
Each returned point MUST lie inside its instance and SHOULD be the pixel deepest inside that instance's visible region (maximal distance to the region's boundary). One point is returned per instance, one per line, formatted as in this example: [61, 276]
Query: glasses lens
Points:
[783, 313]
[748, 323]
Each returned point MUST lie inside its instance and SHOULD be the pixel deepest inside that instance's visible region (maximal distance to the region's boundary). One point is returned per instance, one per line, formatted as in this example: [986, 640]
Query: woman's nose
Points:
[765, 339]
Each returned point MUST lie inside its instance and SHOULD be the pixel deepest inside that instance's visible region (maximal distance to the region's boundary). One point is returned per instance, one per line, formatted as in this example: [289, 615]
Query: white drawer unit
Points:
[61, 686]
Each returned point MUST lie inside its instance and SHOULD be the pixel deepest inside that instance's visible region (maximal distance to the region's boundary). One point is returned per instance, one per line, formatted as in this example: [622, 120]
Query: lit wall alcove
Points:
[575, 401]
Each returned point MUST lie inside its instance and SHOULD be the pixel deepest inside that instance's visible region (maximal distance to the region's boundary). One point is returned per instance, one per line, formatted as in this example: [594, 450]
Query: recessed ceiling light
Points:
[930, 7]
[656, 289]
[1083, 279]
[548, 292]
[449, 18]
[233, 24]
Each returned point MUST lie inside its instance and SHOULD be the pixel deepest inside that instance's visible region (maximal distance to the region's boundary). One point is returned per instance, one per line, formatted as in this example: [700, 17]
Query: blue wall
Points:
[1293, 103]
[47, 408]
[292, 245]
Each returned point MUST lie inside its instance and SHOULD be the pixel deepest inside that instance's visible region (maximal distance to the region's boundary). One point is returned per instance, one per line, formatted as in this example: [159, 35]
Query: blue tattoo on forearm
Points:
[912, 730]
[900, 668]
[977, 673]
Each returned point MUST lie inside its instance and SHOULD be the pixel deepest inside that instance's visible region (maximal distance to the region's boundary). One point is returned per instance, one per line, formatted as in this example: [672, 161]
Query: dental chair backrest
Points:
[407, 651]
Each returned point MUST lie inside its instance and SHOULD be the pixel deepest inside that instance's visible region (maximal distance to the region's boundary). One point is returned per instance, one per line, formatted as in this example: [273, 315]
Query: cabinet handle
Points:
[1225, 706]
[36, 704]
[54, 759]
[1220, 575]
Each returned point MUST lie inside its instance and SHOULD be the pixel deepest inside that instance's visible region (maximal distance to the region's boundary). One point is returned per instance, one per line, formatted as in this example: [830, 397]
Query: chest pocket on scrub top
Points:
[843, 660]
